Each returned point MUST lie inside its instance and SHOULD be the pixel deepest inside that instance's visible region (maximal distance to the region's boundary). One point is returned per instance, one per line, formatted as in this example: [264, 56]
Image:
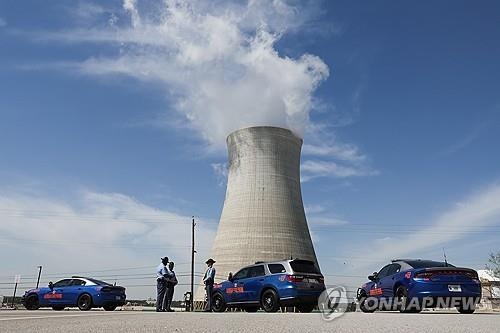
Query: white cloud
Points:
[314, 209]
[344, 152]
[323, 221]
[221, 172]
[314, 169]
[87, 10]
[99, 230]
[479, 210]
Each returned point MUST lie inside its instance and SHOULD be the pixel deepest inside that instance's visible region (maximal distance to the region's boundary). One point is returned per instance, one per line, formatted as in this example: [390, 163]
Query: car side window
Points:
[62, 283]
[395, 268]
[243, 274]
[77, 282]
[384, 272]
[276, 268]
[256, 271]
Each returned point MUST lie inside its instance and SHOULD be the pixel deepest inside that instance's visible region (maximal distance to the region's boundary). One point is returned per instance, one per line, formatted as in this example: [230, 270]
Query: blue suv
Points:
[270, 285]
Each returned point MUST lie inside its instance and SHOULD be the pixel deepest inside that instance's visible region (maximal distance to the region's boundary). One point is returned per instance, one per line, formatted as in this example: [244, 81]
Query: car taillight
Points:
[426, 276]
[294, 278]
[472, 275]
[106, 289]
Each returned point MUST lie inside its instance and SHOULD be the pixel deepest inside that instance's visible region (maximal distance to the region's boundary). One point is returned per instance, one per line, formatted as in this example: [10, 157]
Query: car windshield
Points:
[427, 264]
[304, 266]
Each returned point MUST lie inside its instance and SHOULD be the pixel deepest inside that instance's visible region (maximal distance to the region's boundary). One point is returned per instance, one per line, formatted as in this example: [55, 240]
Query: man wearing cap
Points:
[162, 274]
[208, 280]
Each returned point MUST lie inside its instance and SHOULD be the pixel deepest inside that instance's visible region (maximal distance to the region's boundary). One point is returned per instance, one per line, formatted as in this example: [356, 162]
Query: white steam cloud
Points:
[217, 62]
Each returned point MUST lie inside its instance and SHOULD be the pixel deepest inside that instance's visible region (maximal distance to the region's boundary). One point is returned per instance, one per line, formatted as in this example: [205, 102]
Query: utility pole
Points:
[17, 279]
[193, 251]
[39, 274]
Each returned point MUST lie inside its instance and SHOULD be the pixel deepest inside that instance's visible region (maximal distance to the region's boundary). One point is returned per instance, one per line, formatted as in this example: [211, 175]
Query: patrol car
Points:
[82, 292]
[409, 285]
[270, 285]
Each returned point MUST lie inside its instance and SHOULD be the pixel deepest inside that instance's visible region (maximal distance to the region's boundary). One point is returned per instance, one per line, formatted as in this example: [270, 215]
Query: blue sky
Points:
[113, 116]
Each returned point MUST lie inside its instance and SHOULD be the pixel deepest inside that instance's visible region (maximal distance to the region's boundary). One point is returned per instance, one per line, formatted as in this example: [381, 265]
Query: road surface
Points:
[45, 321]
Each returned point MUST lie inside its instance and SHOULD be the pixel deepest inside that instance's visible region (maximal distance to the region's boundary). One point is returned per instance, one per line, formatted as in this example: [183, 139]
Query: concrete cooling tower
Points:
[263, 216]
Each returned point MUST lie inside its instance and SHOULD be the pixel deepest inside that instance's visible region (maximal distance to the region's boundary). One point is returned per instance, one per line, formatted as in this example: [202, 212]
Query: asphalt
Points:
[42, 321]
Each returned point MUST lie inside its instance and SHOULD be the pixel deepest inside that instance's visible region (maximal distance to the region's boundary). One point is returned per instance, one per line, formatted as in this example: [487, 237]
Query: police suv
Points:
[270, 285]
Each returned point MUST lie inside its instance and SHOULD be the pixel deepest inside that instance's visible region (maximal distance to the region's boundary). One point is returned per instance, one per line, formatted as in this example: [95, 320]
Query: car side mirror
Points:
[230, 277]
[373, 277]
[51, 285]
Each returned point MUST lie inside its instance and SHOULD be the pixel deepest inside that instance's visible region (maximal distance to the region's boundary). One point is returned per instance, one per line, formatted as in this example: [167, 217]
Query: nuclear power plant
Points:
[263, 216]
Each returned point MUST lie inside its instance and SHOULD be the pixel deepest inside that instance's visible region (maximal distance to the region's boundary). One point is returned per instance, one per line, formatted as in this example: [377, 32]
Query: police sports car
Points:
[269, 285]
[409, 285]
[83, 292]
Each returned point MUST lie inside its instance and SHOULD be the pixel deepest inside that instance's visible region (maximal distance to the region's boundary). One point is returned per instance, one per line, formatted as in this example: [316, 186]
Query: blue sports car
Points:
[409, 285]
[269, 285]
[83, 292]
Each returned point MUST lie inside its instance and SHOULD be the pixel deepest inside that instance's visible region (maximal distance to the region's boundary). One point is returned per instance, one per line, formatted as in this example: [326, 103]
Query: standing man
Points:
[208, 280]
[161, 284]
[171, 283]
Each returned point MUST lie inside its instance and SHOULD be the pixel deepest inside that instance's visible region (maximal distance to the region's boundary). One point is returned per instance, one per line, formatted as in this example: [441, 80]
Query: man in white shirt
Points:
[208, 280]
[162, 273]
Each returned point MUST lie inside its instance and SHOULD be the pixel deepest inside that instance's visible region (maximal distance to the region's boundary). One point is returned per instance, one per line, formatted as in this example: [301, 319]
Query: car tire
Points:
[269, 301]
[363, 306]
[32, 302]
[305, 308]
[403, 301]
[252, 309]
[109, 307]
[466, 309]
[58, 308]
[84, 302]
[218, 303]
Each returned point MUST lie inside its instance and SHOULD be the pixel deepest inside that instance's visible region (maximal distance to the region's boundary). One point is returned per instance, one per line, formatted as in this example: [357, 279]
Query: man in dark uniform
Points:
[171, 283]
[208, 280]
[161, 284]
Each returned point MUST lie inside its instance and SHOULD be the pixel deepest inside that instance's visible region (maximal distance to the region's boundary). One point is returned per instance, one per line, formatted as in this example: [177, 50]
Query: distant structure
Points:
[490, 285]
[263, 216]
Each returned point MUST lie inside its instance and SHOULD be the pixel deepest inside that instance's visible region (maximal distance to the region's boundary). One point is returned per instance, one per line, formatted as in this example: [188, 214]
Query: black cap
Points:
[210, 261]
[164, 259]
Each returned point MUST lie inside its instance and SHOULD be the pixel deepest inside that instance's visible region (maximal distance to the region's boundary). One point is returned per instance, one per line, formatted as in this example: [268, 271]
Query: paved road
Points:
[43, 321]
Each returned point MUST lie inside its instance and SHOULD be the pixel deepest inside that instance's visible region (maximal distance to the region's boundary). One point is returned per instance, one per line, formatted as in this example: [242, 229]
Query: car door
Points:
[388, 281]
[235, 291]
[376, 289]
[253, 284]
[59, 292]
[74, 290]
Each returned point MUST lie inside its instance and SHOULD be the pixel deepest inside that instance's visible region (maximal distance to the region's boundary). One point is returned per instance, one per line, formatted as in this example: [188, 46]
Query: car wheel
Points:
[32, 302]
[218, 303]
[252, 309]
[467, 309]
[109, 307]
[269, 301]
[404, 302]
[366, 305]
[84, 302]
[305, 308]
[58, 308]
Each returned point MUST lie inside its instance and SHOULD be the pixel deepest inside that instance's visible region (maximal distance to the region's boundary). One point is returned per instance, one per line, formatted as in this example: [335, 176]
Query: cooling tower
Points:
[263, 216]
